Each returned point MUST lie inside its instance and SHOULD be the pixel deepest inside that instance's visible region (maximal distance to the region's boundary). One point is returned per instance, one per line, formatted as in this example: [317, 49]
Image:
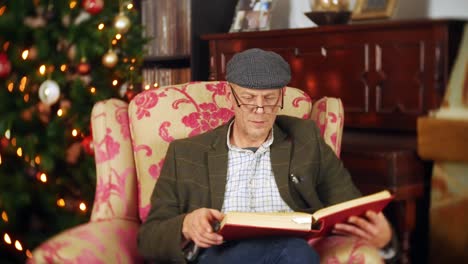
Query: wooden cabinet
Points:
[387, 75]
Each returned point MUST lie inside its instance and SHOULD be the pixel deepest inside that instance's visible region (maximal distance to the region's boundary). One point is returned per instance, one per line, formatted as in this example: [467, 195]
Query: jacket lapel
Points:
[280, 163]
[217, 167]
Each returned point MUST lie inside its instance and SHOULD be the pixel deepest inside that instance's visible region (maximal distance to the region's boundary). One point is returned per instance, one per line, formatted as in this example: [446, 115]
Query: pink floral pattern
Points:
[113, 185]
[210, 117]
[94, 243]
[121, 116]
[164, 132]
[107, 149]
[155, 169]
[147, 149]
[146, 101]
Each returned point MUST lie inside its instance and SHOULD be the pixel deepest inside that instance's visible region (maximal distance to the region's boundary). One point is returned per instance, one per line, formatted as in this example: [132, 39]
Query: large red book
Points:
[241, 225]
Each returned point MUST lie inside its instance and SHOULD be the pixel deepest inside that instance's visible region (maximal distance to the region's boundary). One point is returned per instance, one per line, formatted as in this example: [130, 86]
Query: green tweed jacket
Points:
[307, 172]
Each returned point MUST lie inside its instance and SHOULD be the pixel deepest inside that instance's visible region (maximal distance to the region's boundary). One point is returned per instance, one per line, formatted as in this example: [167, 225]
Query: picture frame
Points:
[373, 9]
[252, 15]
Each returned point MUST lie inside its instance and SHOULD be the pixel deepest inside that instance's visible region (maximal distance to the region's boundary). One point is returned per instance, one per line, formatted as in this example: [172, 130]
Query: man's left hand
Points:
[373, 228]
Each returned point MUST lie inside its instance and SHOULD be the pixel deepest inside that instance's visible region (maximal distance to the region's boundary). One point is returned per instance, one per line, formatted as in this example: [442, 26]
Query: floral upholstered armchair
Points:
[130, 143]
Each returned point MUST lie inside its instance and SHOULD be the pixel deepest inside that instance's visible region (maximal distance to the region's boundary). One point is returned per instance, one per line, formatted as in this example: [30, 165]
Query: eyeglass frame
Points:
[256, 107]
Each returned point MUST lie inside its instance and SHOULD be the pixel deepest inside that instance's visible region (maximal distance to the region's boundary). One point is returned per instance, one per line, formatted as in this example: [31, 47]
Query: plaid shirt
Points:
[251, 185]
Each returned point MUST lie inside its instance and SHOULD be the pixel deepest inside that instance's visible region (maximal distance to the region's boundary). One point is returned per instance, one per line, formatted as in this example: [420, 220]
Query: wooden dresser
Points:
[387, 75]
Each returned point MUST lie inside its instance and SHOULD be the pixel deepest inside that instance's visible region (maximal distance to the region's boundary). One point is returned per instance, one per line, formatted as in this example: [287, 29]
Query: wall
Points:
[290, 13]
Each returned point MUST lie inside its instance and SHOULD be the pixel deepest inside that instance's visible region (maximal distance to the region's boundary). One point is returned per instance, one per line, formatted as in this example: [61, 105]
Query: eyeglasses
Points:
[267, 109]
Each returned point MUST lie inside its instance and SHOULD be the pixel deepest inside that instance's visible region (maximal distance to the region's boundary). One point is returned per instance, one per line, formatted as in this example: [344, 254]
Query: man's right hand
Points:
[197, 226]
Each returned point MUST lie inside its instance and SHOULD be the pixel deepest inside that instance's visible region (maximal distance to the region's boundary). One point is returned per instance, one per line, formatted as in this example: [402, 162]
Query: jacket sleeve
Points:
[160, 236]
[334, 181]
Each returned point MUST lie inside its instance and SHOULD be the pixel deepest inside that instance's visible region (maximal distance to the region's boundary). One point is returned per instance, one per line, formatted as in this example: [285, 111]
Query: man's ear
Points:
[229, 96]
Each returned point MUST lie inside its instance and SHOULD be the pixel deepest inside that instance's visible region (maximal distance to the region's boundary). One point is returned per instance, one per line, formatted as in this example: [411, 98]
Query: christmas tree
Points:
[57, 58]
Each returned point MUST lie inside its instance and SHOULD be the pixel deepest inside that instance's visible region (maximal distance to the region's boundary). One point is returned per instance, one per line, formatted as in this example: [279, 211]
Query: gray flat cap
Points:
[258, 69]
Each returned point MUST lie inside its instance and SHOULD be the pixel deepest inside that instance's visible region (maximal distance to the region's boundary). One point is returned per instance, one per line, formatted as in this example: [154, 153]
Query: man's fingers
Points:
[373, 217]
[207, 239]
[217, 214]
[363, 224]
[353, 230]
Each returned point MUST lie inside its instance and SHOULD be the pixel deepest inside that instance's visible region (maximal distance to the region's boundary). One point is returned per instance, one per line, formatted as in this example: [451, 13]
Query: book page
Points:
[294, 220]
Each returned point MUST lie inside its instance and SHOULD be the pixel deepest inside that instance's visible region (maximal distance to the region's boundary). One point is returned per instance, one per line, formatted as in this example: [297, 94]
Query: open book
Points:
[237, 225]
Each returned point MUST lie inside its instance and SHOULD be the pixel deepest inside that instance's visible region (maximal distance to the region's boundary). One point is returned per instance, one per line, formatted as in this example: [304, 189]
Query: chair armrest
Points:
[116, 187]
[345, 249]
[107, 241]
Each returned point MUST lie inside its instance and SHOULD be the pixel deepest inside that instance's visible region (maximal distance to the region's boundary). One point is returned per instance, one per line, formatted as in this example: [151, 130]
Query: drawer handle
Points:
[296, 52]
[323, 50]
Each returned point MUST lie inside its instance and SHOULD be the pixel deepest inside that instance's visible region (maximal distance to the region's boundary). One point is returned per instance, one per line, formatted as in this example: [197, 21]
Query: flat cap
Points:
[258, 69]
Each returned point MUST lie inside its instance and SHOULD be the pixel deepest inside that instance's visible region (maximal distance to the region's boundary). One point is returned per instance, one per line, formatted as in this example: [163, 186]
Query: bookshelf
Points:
[176, 53]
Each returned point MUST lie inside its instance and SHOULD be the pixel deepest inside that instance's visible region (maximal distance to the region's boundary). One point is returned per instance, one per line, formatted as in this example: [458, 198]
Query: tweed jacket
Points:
[308, 174]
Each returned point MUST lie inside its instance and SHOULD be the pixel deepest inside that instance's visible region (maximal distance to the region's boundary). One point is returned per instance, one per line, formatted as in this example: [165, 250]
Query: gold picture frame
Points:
[373, 9]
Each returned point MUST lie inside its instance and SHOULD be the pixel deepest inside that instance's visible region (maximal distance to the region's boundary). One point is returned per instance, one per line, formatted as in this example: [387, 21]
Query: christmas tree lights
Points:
[57, 59]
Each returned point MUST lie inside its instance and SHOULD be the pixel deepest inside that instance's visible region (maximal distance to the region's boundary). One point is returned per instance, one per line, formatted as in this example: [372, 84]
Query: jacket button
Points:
[294, 178]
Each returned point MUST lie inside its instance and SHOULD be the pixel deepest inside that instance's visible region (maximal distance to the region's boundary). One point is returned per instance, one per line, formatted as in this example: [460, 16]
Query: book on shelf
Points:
[241, 225]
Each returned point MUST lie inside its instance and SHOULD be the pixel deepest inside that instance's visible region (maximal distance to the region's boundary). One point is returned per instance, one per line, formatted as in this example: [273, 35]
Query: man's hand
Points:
[197, 227]
[374, 228]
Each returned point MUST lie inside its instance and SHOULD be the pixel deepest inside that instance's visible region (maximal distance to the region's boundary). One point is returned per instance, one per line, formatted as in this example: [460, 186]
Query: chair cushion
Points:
[108, 241]
[345, 249]
[159, 116]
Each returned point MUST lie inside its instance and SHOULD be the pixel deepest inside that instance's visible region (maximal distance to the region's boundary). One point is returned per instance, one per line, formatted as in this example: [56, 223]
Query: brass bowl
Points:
[329, 17]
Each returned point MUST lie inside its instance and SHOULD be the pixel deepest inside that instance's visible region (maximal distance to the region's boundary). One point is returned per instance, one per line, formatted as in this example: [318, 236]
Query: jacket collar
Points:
[280, 154]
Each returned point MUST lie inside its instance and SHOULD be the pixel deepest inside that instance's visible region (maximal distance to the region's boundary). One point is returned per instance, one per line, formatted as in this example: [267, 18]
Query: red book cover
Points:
[237, 225]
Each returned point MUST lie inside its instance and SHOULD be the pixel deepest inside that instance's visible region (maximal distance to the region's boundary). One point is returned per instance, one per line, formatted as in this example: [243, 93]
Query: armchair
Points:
[130, 143]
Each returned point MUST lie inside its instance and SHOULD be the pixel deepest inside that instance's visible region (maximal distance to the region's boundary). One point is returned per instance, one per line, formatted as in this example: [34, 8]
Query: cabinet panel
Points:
[335, 71]
[400, 67]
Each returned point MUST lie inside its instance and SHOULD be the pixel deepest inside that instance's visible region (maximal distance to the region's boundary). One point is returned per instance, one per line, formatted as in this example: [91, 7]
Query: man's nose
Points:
[260, 108]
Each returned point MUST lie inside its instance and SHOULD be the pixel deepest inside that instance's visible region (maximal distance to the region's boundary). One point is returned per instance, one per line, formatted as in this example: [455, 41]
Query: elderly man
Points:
[257, 162]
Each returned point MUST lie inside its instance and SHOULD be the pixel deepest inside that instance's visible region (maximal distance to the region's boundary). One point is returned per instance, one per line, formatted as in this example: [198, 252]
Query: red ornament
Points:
[5, 65]
[129, 94]
[4, 142]
[93, 7]
[83, 67]
[88, 145]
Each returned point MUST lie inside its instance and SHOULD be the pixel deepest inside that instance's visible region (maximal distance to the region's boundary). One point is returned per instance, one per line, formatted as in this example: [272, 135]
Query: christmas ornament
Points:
[49, 92]
[130, 94]
[123, 89]
[33, 52]
[5, 65]
[35, 22]
[110, 59]
[122, 23]
[43, 112]
[83, 67]
[87, 144]
[71, 53]
[73, 153]
[93, 7]
[4, 142]
[82, 17]
[27, 114]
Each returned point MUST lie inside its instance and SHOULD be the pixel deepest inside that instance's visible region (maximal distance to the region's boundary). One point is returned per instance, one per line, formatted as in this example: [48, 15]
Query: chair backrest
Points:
[161, 115]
